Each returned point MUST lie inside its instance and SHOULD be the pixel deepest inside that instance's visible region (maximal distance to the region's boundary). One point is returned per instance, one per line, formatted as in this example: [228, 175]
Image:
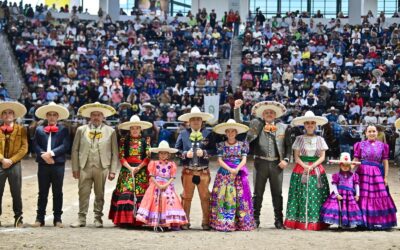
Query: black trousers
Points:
[264, 171]
[14, 176]
[50, 175]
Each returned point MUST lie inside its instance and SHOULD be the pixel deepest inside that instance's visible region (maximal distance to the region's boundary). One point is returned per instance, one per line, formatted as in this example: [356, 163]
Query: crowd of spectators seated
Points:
[159, 67]
[308, 65]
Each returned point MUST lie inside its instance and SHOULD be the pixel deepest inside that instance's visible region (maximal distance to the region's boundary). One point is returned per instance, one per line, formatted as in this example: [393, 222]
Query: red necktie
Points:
[51, 129]
[7, 129]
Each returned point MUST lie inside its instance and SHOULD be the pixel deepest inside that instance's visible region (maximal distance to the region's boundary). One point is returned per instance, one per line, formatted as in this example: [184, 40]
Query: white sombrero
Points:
[309, 116]
[195, 112]
[18, 108]
[230, 124]
[397, 123]
[135, 121]
[345, 158]
[62, 112]
[87, 109]
[148, 105]
[163, 147]
[333, 109]
[259, 108]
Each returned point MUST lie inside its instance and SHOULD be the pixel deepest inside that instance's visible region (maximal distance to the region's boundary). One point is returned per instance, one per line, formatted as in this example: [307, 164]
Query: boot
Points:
[18, 222]
[257, 221]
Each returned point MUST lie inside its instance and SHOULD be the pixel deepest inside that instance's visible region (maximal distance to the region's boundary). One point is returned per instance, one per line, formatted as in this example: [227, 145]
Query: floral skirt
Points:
[231, 204]
[123, 204]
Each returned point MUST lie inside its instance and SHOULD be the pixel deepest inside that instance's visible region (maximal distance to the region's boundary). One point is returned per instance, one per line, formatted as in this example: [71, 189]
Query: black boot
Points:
[18, 222]
[257, 221]
[279, 224]
[257, 208]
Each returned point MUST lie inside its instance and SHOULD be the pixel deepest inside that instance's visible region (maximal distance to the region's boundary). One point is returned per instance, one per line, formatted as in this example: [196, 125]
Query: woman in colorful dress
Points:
[133, 179]
[376, 204]
[309, 186]
[161, 206]
[231, 204]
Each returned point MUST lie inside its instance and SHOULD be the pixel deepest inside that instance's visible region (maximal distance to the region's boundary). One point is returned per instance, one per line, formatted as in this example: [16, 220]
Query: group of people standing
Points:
[145, 193]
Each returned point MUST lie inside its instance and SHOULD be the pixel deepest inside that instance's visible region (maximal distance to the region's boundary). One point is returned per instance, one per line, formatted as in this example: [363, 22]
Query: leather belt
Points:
[266, 158]
[200, 168]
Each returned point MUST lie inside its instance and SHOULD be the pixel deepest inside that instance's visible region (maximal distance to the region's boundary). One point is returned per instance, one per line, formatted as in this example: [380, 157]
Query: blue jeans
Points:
[50, 175]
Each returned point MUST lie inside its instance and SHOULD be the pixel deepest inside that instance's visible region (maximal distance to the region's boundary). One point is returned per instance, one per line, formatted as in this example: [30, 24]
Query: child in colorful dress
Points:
[161, 206]
[231, 205]
[341, 207]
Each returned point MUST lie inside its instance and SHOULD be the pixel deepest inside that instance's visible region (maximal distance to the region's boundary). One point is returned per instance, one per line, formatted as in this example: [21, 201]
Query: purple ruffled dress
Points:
[350, 213]
[376, 204]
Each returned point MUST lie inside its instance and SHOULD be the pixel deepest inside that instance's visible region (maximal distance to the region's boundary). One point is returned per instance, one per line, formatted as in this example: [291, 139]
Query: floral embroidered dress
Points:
[376, 204]
[129, 191]
[307, 191]
[231, 205]
[161, 207]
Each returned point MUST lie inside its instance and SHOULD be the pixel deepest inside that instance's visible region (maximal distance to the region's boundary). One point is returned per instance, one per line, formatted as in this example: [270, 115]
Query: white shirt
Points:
[49, 146]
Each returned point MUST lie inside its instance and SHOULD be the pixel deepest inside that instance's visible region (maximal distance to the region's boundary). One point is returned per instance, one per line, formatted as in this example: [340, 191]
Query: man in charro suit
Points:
[51, 144]
[271, 154]
[94, 158]
[195, 146]
[13, 147]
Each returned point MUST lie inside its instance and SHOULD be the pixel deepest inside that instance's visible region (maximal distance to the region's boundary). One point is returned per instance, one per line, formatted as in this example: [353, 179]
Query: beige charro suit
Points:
[94, 158]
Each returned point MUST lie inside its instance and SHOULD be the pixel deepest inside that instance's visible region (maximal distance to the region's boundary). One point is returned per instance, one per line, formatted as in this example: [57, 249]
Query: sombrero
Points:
[125, 104]
[309, 116]
[148, 105]
[195, 112]
[332, 109]
[163, 147]
[397, 123]
[230, 124]
[62, 112]
[87, 109]
[135, 121]
[259, 108]
[18, 108]
[345, 159]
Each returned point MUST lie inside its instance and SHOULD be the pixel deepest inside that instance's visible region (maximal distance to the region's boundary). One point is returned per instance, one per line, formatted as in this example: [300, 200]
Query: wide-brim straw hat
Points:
[62, 112]
[397, 123]
[87, 109]
[230, 124]
[18, 108]
[135, 121]
[345, 158]
[163, 147]
[148, 105]
[125, 104]
[195, 112]
[309, 117]
[333, 109]
[259, 108]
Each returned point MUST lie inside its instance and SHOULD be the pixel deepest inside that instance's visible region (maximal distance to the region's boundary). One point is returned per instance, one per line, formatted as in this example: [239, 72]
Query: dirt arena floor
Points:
[110, 237]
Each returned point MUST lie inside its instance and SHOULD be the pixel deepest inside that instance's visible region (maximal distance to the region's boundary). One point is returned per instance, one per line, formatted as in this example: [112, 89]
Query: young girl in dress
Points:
[161, 206]
[341, 207]
[231, 207]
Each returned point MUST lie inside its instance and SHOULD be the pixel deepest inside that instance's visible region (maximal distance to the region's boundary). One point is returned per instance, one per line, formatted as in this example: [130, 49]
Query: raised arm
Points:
[237, 112]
